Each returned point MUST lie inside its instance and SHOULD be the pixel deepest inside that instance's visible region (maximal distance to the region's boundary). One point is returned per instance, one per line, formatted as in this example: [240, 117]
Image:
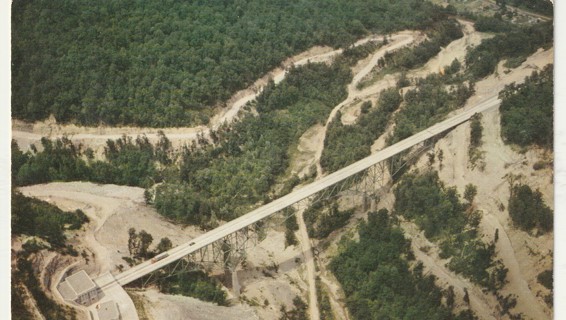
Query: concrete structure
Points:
[118, 295]
[79, 288]
[108, 311]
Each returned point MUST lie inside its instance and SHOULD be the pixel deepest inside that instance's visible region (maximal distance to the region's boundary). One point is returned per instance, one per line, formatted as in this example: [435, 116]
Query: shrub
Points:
[546, 279]
[528, 210]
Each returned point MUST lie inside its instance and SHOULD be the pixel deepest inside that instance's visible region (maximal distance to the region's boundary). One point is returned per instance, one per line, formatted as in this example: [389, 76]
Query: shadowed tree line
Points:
[35, 217]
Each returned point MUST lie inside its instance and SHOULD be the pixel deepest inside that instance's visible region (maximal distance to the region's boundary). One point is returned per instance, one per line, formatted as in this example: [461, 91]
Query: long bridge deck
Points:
[277, 205]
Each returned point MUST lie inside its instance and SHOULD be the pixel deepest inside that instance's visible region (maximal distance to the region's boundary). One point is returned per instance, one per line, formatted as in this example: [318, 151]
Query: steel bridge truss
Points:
[227, 253]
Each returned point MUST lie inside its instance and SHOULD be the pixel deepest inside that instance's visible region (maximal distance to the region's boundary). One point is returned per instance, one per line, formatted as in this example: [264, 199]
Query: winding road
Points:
[26, 134]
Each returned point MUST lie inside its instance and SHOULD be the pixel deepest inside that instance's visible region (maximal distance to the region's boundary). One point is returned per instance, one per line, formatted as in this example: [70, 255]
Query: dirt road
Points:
[396, 41]
[26, 134]
[311, 270]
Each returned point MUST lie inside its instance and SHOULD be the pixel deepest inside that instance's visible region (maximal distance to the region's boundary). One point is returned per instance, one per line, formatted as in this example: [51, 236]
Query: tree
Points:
[374, 272]
[138, 243]
[450, 297]
[140, 71]
[163, 149]
[546, 279]
[470, 192]
[145, 240]
[528, 210]
[476, 130]
[34, 217]
[527, 110]
[18, 160]
[132, 242]
[164, 245]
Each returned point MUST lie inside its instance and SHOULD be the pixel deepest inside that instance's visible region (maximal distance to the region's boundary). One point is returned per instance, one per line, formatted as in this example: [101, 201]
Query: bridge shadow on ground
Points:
[251, 273]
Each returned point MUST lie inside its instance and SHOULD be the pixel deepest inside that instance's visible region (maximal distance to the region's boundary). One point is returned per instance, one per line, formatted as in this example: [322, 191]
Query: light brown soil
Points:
[261, 282]
[309, 262]
[304, 157]
[160, 306]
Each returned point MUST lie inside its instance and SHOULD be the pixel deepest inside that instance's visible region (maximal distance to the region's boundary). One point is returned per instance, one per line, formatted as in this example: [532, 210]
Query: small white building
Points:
[79, 288]
[108, 311]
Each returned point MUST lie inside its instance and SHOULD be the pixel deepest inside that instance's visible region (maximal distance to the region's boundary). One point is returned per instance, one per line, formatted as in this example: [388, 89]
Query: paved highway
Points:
[296, 196]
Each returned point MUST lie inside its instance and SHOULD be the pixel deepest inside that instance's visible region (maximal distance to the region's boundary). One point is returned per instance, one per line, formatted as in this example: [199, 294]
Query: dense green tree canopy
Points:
[34, 217]
[236, 171]
[432, 99]
[545, 7]
[513, 44]
[527, 112]
[528, 210]
[377, 280]
[128, 162]
[166, 63]
[345, 144]
[436, 209]
[196, 284]
[424, 198]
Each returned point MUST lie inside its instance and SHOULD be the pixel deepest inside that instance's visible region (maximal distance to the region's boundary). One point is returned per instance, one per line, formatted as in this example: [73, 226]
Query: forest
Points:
[438, 35]
[225, 177]
[196, 284]
[513, 44]
[127, 161]
[381, 280]
[24, 275]
[527, 110]
[220, 177]
[428, 102]
[544, 7]
[149, 64]
[345, 144]
[168, 64]
[432, 99]
[323, 217]
[438, 211]
[35, 217]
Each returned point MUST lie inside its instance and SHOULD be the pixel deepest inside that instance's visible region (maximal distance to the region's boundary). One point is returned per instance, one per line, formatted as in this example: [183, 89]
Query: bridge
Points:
[229, 231]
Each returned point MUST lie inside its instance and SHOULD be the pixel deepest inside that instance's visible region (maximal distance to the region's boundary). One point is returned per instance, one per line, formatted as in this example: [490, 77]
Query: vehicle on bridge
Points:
[159, 257]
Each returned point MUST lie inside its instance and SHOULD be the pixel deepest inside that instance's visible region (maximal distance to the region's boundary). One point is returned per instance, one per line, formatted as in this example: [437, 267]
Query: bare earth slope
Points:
[493, 190]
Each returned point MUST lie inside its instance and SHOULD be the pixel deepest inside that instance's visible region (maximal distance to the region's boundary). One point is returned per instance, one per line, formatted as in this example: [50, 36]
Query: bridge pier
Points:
[235, 283]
